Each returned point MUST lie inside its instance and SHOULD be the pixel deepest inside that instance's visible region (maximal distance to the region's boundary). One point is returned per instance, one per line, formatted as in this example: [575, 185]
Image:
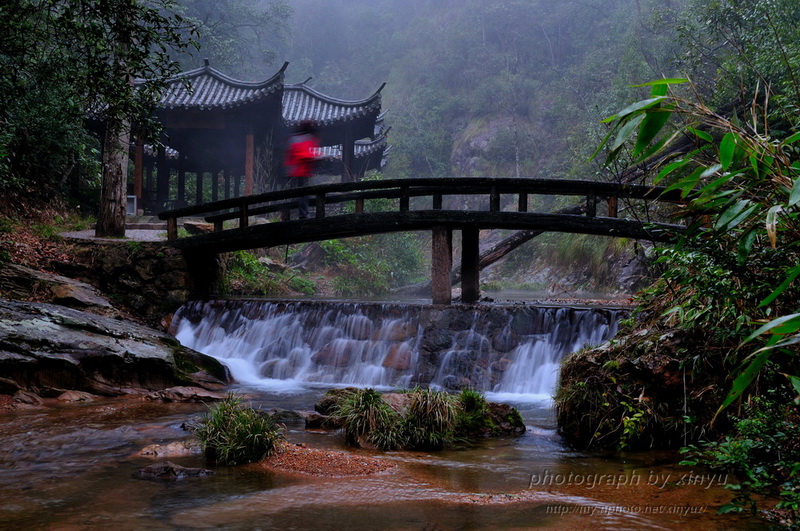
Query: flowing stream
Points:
[76, 466]
[511, 351]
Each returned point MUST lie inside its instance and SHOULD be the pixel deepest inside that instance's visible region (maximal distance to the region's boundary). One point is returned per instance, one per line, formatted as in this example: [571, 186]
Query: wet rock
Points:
[396, 401]
[287, 415]
[171, 471]
[185, 394]
[336, 353]
[174, 449]
[26, 398]
[506, 420]
[315, 421]
[8, 386]
[48, 346]
[395, 331]
[76, 396]
[399, 357]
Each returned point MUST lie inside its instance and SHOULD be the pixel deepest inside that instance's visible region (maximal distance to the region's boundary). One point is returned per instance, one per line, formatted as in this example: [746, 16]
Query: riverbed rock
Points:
[184, 448]
[183, 394]
[24, 283]
[76, 396]
[45, 346]
[399, 357]
[171, 471]
[330, 400]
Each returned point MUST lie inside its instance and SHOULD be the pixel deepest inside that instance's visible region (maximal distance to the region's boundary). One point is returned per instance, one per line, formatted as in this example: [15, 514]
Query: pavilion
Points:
[224, 138]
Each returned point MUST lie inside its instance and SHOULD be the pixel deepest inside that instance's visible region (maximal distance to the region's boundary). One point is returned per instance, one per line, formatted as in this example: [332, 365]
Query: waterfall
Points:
[513, 349]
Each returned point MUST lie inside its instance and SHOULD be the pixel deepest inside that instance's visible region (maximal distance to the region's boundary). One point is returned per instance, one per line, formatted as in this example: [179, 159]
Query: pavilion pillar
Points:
[182, 178]
[162, 179]
[441, 264]
[470, 272]
[249, 164]
[348, 155]
[198, 199]
[227, 181]
[138, 170]
[215, 185]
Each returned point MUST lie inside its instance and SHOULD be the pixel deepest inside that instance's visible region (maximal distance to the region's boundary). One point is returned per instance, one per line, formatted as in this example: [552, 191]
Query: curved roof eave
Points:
[301, 102]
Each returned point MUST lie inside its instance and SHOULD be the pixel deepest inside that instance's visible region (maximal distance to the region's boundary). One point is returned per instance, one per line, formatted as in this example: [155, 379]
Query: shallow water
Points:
[75, 467]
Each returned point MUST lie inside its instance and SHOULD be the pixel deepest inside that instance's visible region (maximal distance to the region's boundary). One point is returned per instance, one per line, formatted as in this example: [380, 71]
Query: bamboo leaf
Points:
[727, 147]
[626, 131]
[669, 168]
[666, 81]
[652, 124]
[731, 213]
[745, 245]
[744, 380]
[638, 106]
[700, 134]
[794, 195]
[793, 274]
[792, 321]
[794, 138]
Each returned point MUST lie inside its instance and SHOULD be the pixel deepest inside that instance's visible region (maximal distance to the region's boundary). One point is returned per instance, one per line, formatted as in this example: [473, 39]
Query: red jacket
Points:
[301, 156]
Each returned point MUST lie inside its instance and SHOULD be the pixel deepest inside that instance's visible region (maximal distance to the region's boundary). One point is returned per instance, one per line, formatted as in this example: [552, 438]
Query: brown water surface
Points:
[76, 467]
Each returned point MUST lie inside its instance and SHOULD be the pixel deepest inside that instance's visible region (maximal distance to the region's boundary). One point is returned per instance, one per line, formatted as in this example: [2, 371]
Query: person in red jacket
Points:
[302, 154]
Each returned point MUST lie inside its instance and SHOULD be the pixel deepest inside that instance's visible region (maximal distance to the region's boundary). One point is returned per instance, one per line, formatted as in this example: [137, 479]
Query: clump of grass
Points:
[234, 434]
[430, 420]
[473, 414]
[364, 414]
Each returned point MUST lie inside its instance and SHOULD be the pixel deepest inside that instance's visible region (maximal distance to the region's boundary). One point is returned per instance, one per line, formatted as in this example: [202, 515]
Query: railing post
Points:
[437, 201]
[218, 225]
[591, 205]
[613, 210]
[172, 228]
[494, 199]
[360, 205]
[320, 204]
[404, 195]
[243, 217]
[523, 202]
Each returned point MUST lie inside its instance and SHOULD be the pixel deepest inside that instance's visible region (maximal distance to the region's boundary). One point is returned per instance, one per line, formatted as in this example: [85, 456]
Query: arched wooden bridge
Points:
[247, 217]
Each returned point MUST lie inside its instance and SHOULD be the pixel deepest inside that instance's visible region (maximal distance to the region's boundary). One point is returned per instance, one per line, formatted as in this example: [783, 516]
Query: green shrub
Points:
[233, 434]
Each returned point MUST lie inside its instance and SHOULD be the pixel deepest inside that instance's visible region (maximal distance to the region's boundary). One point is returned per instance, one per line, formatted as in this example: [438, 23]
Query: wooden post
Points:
[320, 204]
[360, 205]
[227, 184]
[162, 179]
[441, 264]
[523, 202]
[494, 200]
[591, 205]
[404, 198]
[243, 216]
[470, 271]
[249, 164]
[613, 209]
[172, 228]
[437, 201]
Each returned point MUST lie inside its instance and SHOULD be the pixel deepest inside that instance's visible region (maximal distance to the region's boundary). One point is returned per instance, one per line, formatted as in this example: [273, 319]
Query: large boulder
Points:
[50, 349]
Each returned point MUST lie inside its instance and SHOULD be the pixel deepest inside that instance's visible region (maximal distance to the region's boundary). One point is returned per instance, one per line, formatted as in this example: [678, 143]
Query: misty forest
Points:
[665, 357]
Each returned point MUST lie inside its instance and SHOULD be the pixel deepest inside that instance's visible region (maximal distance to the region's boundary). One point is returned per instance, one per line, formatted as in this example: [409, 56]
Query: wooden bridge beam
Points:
[441, 264]
[470, 270]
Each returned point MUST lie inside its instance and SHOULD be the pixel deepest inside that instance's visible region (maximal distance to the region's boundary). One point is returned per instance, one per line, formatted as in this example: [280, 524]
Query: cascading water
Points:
[512, 349]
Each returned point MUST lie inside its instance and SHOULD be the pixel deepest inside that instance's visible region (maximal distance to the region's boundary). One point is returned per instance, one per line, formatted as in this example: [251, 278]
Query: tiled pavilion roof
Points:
[303, 103]
[209, 88]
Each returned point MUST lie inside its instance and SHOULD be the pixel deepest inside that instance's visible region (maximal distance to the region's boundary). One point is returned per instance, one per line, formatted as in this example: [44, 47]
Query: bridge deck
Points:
[252, 230]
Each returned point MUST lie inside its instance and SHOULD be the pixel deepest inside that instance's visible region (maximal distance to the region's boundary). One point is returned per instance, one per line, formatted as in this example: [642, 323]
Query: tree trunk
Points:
[111, 217]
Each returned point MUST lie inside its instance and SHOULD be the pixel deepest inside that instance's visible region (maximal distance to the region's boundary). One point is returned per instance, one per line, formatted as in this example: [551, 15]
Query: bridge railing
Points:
[243, 208]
